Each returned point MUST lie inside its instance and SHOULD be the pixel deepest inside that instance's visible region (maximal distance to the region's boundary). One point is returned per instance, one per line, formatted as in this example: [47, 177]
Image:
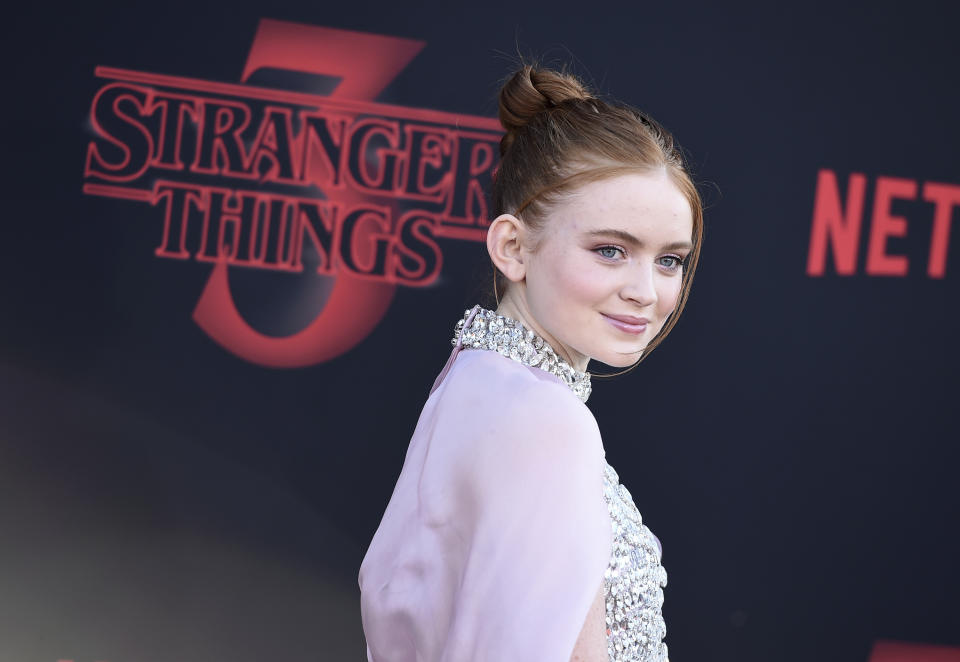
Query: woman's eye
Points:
[610, 252]
[675, 261]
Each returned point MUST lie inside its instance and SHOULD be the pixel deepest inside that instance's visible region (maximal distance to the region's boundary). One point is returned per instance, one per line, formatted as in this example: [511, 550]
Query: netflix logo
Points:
[839, 224]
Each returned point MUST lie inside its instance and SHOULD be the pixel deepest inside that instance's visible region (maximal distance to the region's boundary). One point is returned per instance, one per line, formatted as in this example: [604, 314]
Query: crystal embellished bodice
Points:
[634, 579]
[633, 582]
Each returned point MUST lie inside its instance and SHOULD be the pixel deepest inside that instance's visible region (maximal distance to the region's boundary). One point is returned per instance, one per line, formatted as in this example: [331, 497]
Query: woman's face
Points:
[606, 273]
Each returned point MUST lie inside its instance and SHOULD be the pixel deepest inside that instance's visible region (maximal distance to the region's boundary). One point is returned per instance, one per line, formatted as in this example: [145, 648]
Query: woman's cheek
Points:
[591, 283]
[670, 301]
[575, 276]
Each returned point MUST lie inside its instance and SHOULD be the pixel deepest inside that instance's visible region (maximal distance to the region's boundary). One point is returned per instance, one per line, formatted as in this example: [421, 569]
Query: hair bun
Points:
[531, 91]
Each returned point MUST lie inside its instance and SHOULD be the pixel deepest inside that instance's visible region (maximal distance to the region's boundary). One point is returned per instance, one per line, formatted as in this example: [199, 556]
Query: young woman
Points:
[508, 537]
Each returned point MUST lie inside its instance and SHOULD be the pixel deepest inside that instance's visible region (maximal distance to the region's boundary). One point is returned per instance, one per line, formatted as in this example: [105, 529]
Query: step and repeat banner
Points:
[238, 240]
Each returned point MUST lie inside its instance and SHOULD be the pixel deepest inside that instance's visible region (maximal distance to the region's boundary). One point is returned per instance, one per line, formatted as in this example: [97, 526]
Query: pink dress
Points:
[502, 526]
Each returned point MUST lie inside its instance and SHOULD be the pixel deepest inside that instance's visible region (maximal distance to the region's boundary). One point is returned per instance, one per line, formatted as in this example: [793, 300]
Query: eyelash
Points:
[679, 261]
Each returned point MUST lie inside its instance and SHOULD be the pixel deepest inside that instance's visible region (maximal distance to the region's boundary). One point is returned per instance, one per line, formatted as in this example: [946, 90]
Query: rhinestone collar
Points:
[488, 330]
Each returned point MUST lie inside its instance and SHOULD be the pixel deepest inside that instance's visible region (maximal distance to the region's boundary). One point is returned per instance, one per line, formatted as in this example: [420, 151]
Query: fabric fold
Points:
[497, 535]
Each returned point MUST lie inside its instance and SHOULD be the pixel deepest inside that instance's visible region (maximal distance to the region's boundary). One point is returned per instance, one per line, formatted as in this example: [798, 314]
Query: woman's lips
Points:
[627, 323]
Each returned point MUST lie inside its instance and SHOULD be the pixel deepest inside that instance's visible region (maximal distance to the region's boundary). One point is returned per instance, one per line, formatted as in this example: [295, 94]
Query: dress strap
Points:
[456, 350]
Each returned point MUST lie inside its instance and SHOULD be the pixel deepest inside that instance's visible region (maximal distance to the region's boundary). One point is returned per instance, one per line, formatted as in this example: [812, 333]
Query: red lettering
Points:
[473, 168]
[416, 246]
[274, 145]
[227, 212]
[885, 225]
[429, 171]
[175, 111]
[833, 223]
[256, 140]
[317, 221]
[945, 197]
[322, 140]
[365, 152]
[119, 107]
[364, 250]
[407, 154]
[219, 144]
[178, 201]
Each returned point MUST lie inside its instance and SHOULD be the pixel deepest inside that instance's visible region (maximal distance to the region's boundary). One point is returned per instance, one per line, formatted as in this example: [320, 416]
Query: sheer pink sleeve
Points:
[541, 532]
[497, 536]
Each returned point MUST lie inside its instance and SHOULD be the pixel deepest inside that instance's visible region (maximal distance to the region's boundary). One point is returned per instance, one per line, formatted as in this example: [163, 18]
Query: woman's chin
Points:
[618, 360]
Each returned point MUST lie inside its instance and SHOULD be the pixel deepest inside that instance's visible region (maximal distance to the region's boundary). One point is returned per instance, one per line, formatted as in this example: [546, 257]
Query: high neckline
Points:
[485, 329]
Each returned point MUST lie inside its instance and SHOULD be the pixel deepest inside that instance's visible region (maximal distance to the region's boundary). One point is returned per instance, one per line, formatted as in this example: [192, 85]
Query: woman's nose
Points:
[641, 286]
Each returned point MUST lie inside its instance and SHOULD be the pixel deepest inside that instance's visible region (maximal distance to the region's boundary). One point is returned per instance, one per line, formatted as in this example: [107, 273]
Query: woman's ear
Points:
[505, 238]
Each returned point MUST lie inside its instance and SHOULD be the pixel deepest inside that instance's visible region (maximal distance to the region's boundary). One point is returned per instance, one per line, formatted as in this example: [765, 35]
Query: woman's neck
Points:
[515, 307]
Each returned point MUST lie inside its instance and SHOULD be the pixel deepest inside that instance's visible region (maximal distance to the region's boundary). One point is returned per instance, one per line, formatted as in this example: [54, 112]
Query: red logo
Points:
[270, 178]
[837, 224]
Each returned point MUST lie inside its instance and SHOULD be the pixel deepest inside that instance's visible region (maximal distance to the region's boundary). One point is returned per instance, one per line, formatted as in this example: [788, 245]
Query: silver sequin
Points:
[634, 579]
[633, 582]
[510, 337]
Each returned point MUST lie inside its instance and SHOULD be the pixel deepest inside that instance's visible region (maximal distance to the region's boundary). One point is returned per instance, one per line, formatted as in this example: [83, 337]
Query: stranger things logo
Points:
[265, 177]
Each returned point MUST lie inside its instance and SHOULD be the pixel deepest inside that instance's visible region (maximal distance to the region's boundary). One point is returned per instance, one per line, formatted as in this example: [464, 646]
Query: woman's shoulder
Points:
[503, 399]
[495, 377]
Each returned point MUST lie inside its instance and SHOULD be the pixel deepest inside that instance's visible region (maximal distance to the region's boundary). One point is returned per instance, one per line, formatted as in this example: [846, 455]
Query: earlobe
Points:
[505, 246]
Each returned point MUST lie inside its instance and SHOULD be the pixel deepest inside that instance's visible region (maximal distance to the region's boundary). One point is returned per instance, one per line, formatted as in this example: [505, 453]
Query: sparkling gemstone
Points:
[633, 582]
[509, 337]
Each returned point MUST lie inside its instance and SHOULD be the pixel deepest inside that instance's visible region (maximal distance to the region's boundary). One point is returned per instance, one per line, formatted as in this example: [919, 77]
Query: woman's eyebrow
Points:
[630, 239]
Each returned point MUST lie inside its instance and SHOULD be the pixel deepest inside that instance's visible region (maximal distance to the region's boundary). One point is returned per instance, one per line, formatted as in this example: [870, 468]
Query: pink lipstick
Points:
[627, 323]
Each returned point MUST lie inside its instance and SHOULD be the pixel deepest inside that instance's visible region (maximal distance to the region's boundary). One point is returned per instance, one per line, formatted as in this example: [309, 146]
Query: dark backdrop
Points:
[792, 443]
